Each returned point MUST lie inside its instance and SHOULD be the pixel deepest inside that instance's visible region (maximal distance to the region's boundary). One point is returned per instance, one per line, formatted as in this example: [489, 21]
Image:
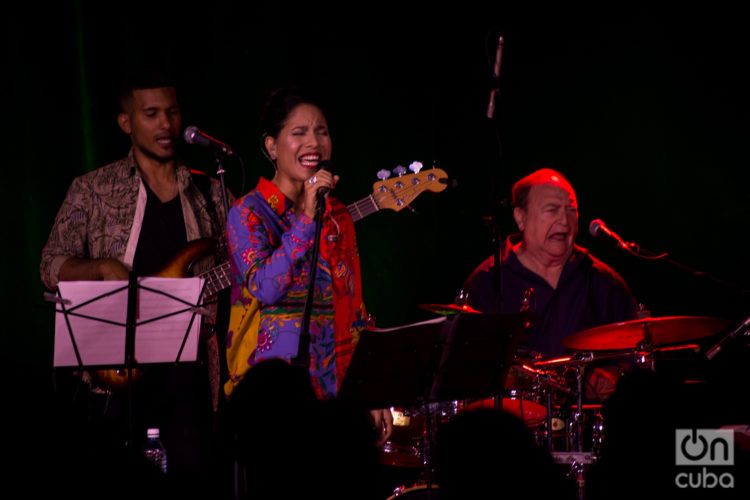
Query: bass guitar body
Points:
[116, 379]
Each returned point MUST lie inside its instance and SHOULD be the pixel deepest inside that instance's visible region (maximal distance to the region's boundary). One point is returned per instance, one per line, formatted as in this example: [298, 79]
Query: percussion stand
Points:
[645, 350]
[578, 459]
[430, 431]
[548, 420]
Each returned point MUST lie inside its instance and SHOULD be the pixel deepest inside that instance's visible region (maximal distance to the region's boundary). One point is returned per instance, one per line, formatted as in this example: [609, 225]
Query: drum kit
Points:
[549, 395]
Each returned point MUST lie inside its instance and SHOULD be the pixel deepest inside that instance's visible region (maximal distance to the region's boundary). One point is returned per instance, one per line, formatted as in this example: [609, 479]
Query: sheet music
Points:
[101, 343]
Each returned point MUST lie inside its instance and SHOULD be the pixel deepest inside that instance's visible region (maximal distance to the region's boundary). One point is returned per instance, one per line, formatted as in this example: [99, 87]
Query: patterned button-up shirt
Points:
[270, 255]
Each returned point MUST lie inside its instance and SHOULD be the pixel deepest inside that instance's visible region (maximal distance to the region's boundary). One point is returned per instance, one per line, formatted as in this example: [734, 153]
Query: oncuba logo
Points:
[706, 447]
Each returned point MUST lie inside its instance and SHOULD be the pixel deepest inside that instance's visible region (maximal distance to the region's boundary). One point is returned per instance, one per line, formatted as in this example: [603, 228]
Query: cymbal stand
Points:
[578, 459]
[430, 411]
[548, 420]
[742, 329]
[578, 414]
[644, 352]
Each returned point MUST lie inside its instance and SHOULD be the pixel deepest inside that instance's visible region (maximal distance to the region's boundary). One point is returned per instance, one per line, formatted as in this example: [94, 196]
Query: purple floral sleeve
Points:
[257, 254]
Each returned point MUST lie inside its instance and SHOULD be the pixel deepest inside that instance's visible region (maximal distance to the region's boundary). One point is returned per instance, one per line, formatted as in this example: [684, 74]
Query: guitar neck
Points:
[362, 208]
[217, 279]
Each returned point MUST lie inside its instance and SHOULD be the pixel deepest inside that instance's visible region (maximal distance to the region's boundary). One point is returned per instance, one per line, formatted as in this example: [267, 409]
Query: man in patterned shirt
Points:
[135, 214]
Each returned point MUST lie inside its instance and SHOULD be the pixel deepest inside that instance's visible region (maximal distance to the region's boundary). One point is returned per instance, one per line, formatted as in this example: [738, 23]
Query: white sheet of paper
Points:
[101, 343]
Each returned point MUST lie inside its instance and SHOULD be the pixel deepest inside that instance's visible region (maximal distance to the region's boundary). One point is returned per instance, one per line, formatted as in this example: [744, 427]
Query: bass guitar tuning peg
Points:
[399, 170]
[383, 174]
[415, 166]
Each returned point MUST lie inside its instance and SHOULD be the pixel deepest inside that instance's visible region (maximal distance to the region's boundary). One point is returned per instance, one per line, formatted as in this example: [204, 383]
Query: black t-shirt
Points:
[162, 235]
[174, 398]
[588, 294]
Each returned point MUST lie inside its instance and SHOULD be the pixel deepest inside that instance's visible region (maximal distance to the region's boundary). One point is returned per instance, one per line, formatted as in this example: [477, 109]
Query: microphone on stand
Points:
[322, 192]
[324, 165]
[495, 77]
[599, 229]
[193, 135]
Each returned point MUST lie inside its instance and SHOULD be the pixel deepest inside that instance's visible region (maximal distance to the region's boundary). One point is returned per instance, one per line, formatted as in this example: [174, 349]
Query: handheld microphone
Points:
[193, 135]
[324, 165]
[322, 192]
[599, 229]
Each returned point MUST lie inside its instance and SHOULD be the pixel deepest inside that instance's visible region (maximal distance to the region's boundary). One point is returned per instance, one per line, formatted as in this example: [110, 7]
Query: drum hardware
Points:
[577, 461]
[528, 302]
[430, 435]
[431, 366]
[462, 297]
[550, 421]
[416, 491]
[563, 361]
[574, 457]
[545, 378]
[642, 355]
[448, 309]
[742, 330]
[578, 414]
[575, 424]
[637, 340]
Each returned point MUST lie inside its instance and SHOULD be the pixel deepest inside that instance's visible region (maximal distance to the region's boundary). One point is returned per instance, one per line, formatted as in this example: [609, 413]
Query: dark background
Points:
[645, 110]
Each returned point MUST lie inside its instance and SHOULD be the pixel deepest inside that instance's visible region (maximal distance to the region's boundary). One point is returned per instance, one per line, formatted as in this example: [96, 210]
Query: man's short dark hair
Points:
[150, 78]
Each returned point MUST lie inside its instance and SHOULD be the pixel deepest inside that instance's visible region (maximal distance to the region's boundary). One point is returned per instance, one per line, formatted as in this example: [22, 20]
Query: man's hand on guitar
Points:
[112, 269]
[77, 269]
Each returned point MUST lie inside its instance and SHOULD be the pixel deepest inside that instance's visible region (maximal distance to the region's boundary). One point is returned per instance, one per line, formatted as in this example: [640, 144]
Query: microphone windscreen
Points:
[189, 134]
[594, 227]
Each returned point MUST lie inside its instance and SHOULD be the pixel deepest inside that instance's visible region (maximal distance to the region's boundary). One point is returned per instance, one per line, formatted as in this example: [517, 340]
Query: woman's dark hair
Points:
[279, 104]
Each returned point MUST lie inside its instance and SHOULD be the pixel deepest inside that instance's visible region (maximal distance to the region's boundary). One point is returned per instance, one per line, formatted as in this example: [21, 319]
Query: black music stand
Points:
[87, 352]
[465, 357]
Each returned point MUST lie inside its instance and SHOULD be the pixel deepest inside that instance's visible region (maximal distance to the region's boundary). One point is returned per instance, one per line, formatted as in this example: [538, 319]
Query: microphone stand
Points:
[219, 160]
[497, 260]
[494, 219]
[130, 322]
[303, 351]
[702, 274]
[643, 253]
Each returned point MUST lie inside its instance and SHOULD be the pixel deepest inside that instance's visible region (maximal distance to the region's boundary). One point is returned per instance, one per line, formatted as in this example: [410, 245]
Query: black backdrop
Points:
[644, 109]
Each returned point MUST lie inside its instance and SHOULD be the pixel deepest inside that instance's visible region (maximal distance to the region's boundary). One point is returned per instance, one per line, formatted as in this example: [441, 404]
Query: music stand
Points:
[106, 316]
[465, 357]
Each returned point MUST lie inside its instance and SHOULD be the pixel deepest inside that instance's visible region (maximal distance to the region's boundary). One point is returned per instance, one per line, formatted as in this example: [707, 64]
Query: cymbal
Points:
[663, 331]
[447, 309]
